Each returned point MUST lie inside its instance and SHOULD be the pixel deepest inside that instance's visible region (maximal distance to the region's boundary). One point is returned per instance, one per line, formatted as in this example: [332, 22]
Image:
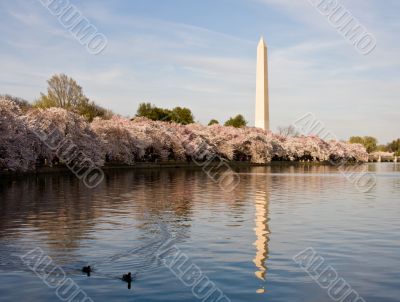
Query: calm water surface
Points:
[243, 241]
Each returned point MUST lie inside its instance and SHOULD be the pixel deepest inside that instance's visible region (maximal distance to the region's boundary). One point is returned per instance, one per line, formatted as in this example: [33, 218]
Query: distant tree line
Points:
[238, 121]
[182, 116]
[394, 146]
[371, 144]
[178, 114]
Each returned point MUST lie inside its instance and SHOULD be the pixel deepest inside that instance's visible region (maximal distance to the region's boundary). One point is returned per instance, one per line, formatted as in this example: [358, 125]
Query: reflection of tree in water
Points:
[164, 196]
[64, 211]
[51, 204]
[59, 212]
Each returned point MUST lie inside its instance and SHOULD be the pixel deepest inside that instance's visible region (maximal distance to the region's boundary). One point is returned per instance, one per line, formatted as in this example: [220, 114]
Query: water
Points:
[243, 241]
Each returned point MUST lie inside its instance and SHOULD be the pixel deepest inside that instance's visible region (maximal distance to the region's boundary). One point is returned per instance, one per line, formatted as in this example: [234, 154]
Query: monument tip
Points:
[262, 41]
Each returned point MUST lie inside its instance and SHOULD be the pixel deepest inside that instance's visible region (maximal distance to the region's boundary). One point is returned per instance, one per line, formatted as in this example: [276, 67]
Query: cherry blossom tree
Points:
[69, 132]
[16, 143]
[119, 140]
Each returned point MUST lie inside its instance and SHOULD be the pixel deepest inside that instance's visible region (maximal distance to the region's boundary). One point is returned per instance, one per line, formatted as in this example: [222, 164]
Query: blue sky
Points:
[202, 55]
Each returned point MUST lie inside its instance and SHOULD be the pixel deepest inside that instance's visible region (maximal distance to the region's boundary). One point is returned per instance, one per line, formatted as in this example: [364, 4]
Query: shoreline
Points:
[167, 165]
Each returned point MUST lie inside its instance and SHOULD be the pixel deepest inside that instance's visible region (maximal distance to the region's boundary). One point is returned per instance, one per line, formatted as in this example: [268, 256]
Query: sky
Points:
[202, 55]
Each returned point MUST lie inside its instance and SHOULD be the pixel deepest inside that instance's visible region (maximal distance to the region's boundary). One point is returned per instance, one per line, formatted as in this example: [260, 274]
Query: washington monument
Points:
[262, 97]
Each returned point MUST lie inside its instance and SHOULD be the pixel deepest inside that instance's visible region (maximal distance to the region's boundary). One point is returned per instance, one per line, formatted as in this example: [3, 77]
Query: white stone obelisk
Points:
[262, 97]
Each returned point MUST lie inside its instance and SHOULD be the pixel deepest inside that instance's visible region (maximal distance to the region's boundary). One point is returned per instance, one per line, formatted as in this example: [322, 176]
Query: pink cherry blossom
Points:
[123, 141]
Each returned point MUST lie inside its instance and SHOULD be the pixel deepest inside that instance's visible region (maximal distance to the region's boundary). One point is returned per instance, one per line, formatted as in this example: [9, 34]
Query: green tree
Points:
[64, 92]
[213, 122]
[90, 110]
[238, 121]
[178, 114]
[44, 102]
[182, 116]
[144, 109]
[370, 143]
[152, 112]
[394, 146]
[356, 140]
[382, 148]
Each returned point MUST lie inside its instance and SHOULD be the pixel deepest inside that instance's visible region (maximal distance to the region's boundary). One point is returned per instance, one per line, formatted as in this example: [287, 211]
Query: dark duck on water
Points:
[87, 269]
[127, 277]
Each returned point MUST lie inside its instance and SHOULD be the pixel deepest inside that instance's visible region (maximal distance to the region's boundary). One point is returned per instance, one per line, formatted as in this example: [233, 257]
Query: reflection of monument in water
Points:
[261, 229]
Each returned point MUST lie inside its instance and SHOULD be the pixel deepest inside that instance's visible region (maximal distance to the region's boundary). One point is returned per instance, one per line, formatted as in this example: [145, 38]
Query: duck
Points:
[87, 269]
[127, 277]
